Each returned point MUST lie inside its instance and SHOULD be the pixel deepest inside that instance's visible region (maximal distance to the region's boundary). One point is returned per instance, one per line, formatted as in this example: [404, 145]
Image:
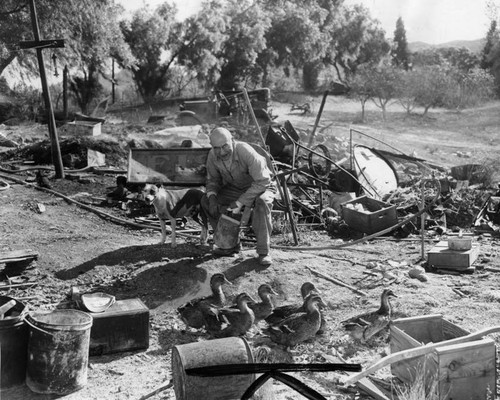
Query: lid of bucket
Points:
[97, 302]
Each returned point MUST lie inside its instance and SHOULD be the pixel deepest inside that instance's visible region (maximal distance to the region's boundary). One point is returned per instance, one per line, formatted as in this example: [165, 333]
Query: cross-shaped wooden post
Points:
[39, 45]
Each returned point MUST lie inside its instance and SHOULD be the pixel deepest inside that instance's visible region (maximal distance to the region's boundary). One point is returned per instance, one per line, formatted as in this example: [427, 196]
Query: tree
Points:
[245, 41]
[400, 50]
[90, 30]
[435, 85]
[492, 38]
[495, 64]
[354, 39]
[295, 38]
[407, 89]
[360, 86]
[376, 82]
[154, 40]
[383, 80]
[203, 39]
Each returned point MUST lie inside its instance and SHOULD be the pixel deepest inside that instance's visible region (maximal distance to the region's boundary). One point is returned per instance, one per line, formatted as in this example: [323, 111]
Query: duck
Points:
[236, 322]
[365, 326]
[284, 311]
[300, 326]
[265, 307]
[201, 311]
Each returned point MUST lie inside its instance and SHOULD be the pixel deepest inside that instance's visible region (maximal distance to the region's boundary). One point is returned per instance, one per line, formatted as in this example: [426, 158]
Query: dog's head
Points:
[149, 193]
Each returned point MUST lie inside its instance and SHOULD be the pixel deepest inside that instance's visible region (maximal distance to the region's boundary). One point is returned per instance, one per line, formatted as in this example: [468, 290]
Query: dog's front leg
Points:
[173, 226]
[163, 227]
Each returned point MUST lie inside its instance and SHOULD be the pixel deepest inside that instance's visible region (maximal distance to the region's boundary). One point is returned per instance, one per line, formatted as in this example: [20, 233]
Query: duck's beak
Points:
[226, 281]
[274, 292]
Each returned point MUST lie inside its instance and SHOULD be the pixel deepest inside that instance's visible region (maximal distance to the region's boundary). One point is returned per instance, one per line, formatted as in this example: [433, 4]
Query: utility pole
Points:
[39, 45]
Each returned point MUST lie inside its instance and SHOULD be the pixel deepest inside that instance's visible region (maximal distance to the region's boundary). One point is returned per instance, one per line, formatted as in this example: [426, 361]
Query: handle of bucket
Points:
[23, 316]
[36, 327]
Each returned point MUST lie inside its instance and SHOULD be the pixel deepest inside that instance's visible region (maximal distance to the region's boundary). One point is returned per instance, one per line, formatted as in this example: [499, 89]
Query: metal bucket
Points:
[211, 352]
[13, 345]
[58, 351]
[227, 232]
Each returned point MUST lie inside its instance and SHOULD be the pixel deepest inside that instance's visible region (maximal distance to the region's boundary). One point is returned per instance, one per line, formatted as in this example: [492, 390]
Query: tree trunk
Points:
[310, 74]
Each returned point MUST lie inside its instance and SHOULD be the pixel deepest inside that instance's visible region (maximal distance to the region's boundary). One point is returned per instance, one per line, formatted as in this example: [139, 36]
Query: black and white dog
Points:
[172, 204]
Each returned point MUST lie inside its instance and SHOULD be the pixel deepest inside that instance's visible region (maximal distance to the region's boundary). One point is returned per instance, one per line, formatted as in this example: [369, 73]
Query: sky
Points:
[430, 21]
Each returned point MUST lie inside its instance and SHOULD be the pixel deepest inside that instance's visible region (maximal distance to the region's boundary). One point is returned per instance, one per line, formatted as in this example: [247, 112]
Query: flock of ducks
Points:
[287, 325]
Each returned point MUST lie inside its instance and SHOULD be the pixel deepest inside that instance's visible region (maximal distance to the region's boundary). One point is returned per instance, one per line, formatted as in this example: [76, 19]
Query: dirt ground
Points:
[79, 248]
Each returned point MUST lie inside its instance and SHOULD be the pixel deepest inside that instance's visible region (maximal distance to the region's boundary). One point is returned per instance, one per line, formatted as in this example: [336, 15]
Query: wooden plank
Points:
[18, 255]
[451, 330]
[467, 370]
[406, 370]
[423, 329]
[368, 386]
[46, 43]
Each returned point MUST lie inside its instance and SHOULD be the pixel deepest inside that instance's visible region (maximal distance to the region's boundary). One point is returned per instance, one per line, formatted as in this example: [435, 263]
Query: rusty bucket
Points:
[232, 350]
[227, 232]
[58, 351]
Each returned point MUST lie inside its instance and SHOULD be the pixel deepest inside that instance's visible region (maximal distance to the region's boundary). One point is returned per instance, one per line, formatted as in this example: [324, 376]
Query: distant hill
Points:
[475, 46]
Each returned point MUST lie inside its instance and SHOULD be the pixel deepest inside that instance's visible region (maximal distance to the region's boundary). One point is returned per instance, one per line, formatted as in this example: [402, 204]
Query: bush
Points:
[472, 89]
[28, 101]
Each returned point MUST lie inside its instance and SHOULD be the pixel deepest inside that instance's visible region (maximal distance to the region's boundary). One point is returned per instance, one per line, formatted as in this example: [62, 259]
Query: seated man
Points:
[237, 177]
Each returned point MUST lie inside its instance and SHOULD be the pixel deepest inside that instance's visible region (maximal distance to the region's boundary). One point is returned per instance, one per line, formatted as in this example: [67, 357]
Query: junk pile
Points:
[353, 189]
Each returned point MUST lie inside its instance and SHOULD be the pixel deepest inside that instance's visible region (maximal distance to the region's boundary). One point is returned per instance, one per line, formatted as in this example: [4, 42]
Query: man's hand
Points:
[235, 207]
[213, 206]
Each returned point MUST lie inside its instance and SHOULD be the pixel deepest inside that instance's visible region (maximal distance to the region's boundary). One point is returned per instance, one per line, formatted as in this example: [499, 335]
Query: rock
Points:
[416, 273]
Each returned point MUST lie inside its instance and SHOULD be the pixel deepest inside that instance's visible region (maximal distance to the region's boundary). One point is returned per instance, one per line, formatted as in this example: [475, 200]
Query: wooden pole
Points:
[318, 117]
[113, 81]
[282, 188]
[65, 92]
[56, 151]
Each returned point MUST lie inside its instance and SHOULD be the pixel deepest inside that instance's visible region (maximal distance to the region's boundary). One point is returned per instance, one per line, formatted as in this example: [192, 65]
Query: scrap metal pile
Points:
[326, 183]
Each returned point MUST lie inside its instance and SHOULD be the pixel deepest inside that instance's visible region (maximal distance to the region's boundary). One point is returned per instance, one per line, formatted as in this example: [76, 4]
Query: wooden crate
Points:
[84, 128]
[465, 371]
[378, 215]
[440, 256]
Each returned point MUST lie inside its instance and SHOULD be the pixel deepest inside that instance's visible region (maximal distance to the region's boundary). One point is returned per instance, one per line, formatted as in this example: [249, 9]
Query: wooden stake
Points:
[336, 281]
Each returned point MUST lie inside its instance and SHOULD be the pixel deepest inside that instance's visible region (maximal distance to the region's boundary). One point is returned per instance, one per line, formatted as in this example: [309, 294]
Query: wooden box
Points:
[84, 128]
[122, 327]
[441, 256]
[376, 216]
[465, 371]
[181, 166]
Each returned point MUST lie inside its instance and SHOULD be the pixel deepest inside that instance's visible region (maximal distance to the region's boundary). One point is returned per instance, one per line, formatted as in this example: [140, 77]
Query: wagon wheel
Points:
[319, 166]
[187, 117]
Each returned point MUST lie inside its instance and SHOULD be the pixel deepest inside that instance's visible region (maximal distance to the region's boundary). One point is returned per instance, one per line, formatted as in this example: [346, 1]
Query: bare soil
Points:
[79, 248]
